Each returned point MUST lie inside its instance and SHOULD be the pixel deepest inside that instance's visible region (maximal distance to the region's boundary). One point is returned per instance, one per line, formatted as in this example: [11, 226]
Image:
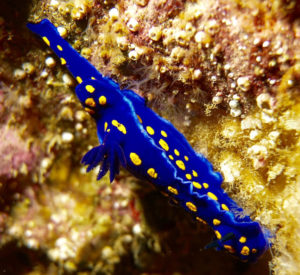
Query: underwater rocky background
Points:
[226, 73]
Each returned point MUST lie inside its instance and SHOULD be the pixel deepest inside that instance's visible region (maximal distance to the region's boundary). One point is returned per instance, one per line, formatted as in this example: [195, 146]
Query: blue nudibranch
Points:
[150, 147]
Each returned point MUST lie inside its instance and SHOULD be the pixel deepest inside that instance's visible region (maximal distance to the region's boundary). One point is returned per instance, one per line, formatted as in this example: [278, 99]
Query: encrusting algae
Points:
[226, 73]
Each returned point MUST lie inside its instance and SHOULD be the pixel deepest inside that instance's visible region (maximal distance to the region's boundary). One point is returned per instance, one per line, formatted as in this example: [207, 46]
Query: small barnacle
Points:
[66, 113]
[63, 9]
[62, 31]
[19, 74]
[217, 99]
[197, 74]
[235, 112]
[243, 83]
[25, 101]
[258, 71]
[67, 79]
[265, 101]
[44, 74]
[177, 54]
[80, 10]
[133, 25]
[274, 135]
[50, 62]
[86, 52]
[189, 27]
[133, 55]
[231, 75]
[266, 44]
[182, 38]
[155, 33]
[142, 3]
[212, 26]
[122, 43]
[233, 104]
[137, 230]
[213, 78]
[114, 14]
[272, 63]
[202, 37]
[163, 69]
[256, 41]
[70, 266]
[107, 253]
[28, 68]
[67, 137]
[80, 115]
[255, 134]
[78, 127]
[54, 3]
[258, 59]
[227, 67]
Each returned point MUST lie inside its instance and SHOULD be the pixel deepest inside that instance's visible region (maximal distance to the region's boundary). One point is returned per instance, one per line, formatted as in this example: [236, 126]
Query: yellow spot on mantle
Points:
[171, 157]
[197, 185]
[105, 125]
[191, 206]
[186, 158]
[90, 102]
[119, 126]
[188, 176]
[180, 164]
[205, 185]
[150, 130]
[224, 207]
[173, 190]
[218, 234]
[46, 40]
[63, 61]
[242, 239]
[102, 100]
[152, 173]
[216, 222]
[212, 196]
[90, 88]
[135, 159]
[176, 152]
[163, 133]
[59, 47]
[195, 174]
[245, 251]
[164, 145]
[78, 78]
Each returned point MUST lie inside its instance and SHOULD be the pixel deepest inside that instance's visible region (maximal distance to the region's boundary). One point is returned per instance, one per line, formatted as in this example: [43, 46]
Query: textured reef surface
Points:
[226, 73]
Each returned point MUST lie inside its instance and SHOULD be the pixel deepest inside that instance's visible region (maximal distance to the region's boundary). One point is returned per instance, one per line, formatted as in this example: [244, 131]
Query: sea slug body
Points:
[150, 147]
